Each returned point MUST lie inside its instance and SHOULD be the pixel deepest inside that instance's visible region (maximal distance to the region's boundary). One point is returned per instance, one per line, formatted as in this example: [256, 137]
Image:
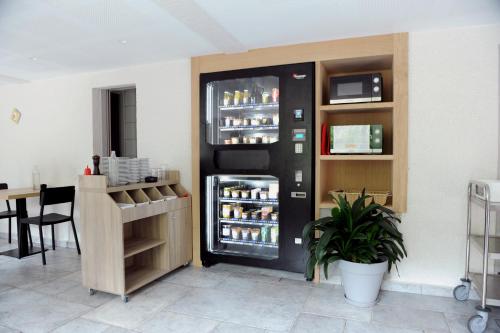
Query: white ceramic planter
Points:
[362, 282]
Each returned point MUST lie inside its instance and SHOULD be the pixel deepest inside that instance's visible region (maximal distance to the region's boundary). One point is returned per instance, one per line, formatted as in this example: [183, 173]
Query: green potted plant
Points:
[363, 238]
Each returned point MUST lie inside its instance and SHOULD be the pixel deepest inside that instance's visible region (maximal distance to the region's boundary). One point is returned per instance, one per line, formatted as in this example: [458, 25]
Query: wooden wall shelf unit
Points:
[384, 172]
[386, 54]
[126, 248]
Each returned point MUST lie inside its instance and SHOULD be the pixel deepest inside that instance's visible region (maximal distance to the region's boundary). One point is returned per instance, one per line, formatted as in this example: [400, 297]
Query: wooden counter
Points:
[124, 249]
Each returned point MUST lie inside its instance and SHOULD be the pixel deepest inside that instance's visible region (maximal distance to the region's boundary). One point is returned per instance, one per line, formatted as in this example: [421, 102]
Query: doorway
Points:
[115, 121]
[123, 122]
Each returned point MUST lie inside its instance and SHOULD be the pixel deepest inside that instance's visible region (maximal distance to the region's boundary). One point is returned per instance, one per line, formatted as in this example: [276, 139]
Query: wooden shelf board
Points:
[375, 106]
[359, 64]
[330, 204]
[136, 277]
[138, 245]
[356, 157]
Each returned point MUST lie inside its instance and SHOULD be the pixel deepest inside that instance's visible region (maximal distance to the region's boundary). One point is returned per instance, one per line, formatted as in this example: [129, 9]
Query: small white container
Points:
[235, 232]
[276, 119]
[226, 211]
[254, 194]
[226, 231]
[245, 233]
[237, 212]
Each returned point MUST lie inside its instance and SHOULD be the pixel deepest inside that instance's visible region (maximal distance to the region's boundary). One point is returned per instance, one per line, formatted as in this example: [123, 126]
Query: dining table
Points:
[20, 195]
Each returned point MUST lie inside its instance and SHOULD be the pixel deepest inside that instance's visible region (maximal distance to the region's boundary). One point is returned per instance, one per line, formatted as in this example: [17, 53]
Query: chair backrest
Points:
[4, 186]
[57, 195]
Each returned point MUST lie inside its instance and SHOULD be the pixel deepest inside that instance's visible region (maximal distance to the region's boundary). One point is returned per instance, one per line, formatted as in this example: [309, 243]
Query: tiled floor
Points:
[223, 298]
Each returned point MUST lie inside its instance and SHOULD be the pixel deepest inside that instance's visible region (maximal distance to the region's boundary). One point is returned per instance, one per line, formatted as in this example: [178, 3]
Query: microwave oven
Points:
[356, 88]
[356, 139]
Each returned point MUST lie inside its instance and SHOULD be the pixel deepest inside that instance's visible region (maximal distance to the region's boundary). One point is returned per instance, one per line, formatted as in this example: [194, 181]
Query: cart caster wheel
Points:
[461, 293]
[477, 324]
[125, 298]
[91, 292]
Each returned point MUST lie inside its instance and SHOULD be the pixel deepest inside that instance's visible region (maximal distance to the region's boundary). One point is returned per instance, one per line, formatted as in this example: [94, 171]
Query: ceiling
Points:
[48, 38]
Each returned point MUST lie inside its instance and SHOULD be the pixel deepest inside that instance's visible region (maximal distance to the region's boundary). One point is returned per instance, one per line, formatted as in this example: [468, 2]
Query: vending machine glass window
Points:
[242, 111]
[243, 215]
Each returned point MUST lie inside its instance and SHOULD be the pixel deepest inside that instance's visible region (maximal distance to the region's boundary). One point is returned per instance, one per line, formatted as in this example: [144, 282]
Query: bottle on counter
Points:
[36, 178]
[113, 169]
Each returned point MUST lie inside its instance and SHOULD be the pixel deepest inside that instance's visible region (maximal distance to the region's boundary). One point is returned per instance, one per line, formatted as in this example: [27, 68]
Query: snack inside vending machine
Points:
[256, 165]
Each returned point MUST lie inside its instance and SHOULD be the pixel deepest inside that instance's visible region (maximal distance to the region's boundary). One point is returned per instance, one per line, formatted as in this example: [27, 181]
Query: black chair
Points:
[9, 214]
[54, 196]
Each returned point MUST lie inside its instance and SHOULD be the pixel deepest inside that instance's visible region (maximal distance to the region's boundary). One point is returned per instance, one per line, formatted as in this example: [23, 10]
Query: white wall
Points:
[453, 135]
[55, 131]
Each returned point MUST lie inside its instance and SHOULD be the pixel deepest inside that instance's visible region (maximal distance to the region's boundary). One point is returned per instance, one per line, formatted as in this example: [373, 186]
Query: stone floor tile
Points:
[296, 291]
[57, 286]
[458, 323]
[81, 325]
[223, 267]
[331, 302]
[403, 317]
[4, 329]
[307, 323]
[233, 328]
[425, 302]
[39, 313]
[222, 298]
[359, 327]
[4, 287]
[196, 277]
[141, 306]
[250, 310]
[256, 277]
[79, 294]
[115, 329]
[166, 322]
[27, 277]
[282, 290]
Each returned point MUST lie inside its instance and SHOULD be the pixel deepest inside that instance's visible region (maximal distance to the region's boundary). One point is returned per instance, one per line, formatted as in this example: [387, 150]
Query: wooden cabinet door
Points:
[179, 238]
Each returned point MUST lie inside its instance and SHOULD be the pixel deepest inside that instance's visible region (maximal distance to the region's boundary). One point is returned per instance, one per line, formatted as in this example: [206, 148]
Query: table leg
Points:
[23, 248]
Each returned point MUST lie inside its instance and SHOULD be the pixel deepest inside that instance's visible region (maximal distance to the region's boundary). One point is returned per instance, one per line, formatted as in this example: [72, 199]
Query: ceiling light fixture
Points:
[123, 41]
[34, 58]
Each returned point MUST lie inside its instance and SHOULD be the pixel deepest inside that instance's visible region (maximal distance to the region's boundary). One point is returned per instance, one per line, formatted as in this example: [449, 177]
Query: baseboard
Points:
[36, 241]
[411, 288]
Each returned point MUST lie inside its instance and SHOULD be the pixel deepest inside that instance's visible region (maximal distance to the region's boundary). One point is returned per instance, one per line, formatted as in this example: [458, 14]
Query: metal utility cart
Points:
[487, 194]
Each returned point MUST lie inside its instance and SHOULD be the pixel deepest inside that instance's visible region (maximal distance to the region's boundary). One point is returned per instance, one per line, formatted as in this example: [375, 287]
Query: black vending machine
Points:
[257, 165]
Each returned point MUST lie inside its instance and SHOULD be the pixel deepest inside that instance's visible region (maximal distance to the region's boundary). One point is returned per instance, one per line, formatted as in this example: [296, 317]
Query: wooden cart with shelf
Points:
[133, 234]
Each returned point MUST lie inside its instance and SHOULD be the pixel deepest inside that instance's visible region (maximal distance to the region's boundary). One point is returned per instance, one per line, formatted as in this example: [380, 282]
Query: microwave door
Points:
[351, 89]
